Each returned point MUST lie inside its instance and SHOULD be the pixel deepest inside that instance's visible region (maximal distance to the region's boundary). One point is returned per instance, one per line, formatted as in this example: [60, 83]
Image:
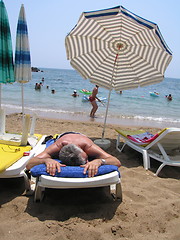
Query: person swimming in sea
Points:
[75, 94]
[169, 97]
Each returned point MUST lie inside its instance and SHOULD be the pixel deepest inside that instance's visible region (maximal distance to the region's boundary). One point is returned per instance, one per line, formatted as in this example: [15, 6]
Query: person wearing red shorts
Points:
[93, 102]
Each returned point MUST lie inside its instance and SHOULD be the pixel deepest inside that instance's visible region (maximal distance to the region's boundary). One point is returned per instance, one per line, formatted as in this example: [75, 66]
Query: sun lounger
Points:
[73, 177]
[14, 159]
[110, 179]
[163, 146]
[17, 149]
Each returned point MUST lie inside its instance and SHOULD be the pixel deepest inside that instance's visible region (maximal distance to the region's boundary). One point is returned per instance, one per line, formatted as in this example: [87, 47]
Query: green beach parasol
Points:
[6, 53]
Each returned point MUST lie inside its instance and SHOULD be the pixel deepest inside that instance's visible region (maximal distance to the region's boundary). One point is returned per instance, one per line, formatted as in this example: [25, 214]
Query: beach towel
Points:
[71, 171]
[143, 137]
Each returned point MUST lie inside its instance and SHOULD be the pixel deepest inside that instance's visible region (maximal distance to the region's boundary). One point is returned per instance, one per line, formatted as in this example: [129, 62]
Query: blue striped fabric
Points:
[22, 27]
[22, 53]
[102, 13]
[22, 57]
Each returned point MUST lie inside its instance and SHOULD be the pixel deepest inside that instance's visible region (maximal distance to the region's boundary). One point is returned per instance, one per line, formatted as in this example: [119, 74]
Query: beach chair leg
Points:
[160, 168]
[39, 192]
[26, 181]
[119, 192]
[146, 159]
[116, 191]
[118, 143]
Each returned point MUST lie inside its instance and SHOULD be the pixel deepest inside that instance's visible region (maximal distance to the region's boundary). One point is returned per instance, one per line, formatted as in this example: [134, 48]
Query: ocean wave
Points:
[45, 111]
[144, 118]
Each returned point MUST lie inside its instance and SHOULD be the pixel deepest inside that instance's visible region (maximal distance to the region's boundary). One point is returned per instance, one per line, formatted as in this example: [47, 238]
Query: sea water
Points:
[132, 107]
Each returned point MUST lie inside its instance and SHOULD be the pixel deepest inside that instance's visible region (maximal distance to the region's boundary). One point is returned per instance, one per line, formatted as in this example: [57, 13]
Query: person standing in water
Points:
[92, 99]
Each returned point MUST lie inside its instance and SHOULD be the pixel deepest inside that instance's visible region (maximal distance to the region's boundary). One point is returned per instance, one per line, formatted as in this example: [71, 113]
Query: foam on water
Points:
[132, 105]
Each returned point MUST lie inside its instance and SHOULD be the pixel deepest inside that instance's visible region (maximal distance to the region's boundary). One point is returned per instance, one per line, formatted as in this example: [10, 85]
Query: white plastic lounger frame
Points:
[165, 148]
[111, 179]
[18, 168]
[13, 138]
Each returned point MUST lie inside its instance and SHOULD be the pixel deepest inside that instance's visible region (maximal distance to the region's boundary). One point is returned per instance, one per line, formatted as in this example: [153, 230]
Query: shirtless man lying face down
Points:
[73, 149]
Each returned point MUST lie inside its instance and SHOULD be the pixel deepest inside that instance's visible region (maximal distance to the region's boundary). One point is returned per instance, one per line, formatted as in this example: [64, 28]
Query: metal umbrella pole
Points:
[109, 95]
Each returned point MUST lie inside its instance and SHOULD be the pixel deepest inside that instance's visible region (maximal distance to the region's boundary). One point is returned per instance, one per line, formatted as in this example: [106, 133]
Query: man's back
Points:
[78, 139]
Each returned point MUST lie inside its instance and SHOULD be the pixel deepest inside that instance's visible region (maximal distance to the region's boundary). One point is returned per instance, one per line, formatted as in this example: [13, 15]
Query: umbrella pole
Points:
[0, 95]
[2, 116]
[22, 95]
[115, 61]
[107, 108]
[22, 100]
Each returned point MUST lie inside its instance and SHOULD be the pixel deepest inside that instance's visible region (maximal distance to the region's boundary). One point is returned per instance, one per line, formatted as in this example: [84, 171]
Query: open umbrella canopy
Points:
[117, 49]
[22, 53]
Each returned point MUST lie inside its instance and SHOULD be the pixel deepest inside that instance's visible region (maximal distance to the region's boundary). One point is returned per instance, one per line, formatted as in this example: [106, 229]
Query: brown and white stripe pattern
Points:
[117, 49]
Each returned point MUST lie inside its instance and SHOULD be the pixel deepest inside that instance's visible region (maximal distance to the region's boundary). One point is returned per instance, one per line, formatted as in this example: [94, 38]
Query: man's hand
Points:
[52, 166]
[92, 167]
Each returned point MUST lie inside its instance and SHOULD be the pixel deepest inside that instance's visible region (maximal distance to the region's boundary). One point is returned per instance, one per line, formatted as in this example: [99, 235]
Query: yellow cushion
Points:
[129, 132]
[10, 155]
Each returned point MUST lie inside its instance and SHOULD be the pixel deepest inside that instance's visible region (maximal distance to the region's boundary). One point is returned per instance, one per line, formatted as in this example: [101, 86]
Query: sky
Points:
[50, 21]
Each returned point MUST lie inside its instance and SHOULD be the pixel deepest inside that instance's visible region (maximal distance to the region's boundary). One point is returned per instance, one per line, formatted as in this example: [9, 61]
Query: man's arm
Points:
[100, 101]
[99, 154]
[46, 158]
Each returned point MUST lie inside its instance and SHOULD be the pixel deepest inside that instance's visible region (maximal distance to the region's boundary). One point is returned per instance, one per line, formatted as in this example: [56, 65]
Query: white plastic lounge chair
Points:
[111, 179]
[13, 146]
[165, 148]
[17, 169]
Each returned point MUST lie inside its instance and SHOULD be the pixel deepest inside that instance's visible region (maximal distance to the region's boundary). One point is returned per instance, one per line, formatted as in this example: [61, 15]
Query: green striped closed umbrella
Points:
[6, 53]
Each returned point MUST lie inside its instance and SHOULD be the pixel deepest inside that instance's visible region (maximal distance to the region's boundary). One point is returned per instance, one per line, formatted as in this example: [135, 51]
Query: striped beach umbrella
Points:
[116, 49]
[22, 53]
[6, 52]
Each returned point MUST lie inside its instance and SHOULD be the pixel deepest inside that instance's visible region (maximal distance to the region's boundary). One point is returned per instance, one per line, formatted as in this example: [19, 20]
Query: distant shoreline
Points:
[126, 122]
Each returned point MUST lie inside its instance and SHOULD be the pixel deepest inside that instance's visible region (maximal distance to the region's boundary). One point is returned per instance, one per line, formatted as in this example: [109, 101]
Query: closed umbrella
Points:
[117, 49]
[22, 53]
[6, 53]
[6, 58]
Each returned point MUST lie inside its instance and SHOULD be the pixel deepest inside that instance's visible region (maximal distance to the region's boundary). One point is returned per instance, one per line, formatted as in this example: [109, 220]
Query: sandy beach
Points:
[150, 208]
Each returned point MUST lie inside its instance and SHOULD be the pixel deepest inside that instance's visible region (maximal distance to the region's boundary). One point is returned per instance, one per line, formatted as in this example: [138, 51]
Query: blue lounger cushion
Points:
[70, 171]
